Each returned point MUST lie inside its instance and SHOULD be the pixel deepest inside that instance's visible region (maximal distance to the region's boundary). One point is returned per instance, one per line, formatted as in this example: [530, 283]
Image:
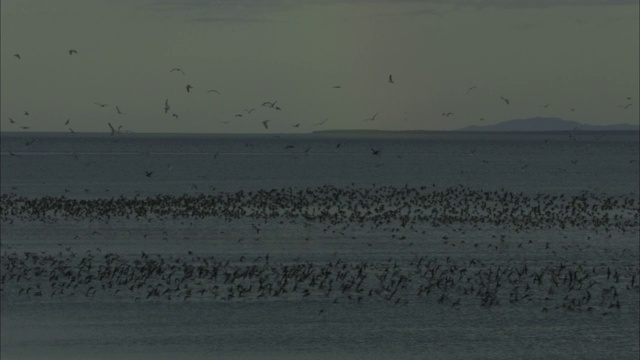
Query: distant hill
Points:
[548, 124]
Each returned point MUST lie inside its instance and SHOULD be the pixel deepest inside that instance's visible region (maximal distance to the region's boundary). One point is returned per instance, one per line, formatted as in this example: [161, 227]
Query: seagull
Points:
[71, 52]
[188, 87]
[371, 118]
[265, 124]
[321, 122]
[71, 130]
[148, 173]
[237, 115]
[471, 88]
[166, 106]
[214, 91]
[249, 110]
[26, 113]
[175, 115]
[447, 114]
[625, 106]
[390, 79]
[67, 122]
[505, 99]
[24, 127]
[296, 125]
[375, 151]
[118, 109]
[337, 87]
[289, 147]
[12, 121]
[177, 69]
[113, 131]
[545, 106]
[18, 56]
[101, 105]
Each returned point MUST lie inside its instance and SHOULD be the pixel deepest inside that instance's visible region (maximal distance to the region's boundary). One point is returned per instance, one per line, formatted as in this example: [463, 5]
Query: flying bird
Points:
[26, 113]
[71, 130]
[265, 124]
[447, 114]
[175, 116]
[118, 109]
[177, 69]
[67, 122]
[24, 127]
[249, 110]
[148, 173]
[113, 130]
[626, 106]
[371, 118]
[214, 91]
[101, 105]
[375, 151]
[188, 87]
[505, 99]
[12, 121]
[471, 88]
[166, 106]
[296, 125]
[545, 106]
[321, 122]
[390, 79]
[18, 56]
[337, 87]
[71, 52]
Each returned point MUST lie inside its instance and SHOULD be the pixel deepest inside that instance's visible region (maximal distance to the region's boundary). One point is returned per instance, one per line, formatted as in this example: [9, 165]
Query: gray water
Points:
[103, 324]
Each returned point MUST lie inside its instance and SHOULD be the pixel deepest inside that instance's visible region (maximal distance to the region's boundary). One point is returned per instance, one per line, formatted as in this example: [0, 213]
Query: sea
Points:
[340, 245]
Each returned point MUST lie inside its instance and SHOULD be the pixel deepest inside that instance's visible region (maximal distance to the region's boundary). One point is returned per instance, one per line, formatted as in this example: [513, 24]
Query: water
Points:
[80, 322]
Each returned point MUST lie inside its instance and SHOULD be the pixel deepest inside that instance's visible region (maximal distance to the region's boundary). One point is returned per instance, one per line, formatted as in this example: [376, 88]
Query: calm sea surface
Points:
[438, 246]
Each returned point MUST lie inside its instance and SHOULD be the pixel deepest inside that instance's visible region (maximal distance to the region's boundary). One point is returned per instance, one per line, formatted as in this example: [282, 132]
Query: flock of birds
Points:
[403, 213]
[114, 130]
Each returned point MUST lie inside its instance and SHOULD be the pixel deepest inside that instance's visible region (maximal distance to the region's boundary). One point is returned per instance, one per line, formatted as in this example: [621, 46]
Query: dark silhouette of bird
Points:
[265, 124]
[505, 99]
[25, 127]
[71, 130]
[390, 79]
[67, 122]
[148, 173]
[188, 87]
[113, 130]
[626, 106]
[296, 125]
[71, 52]
[447, 114]
[289, 147]
[101, 105]
[237, 115]
[177, 69]
[471, 88]
[175, 116]
[26, 113]
[18, 56]
[249, 110]
[321, 122]
[214, 91]
[337, 87]
[545, 106]
[371, 118]
[118, 110]
[12, 121]
[375, 151]
[166, 106]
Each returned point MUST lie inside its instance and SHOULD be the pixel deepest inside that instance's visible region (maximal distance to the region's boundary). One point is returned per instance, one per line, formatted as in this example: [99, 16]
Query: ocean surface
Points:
[320, 246]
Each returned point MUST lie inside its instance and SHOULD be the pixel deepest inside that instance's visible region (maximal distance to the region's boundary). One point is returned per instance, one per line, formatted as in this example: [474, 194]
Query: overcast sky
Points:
[580, 57]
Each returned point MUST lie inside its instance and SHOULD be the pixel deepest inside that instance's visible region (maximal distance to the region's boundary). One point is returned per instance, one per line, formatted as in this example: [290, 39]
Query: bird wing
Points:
[113, 131]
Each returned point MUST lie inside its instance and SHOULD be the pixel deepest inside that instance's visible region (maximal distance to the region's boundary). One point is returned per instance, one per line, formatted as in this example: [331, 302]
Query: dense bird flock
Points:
[398, 211]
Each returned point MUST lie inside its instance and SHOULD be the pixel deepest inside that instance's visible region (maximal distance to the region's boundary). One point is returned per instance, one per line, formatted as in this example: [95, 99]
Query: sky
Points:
[579, 58]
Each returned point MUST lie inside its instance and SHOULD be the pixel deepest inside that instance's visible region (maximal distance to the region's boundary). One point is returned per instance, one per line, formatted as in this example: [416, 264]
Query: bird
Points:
[71, 130]
[237, 115]
[101, 105]
[18, 56]
[390, 79]
[505, 99]
[188, 87]
[166, 106]
[175, 116]
[12, 121]
[26, 113]
[289, 147]
[337, 87]
[214, 91]
[67, 122]
[471, 88]
[249, 110]
[265, 124]
[321, 122]
[545, 106]
[371, 118]
[71, 52]
[626, 106]
[447, 114]
[296, 125]
[113, 130]
[177, 69]
[375, 151]
[148, 173]
[118, 110]
[24, 127]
